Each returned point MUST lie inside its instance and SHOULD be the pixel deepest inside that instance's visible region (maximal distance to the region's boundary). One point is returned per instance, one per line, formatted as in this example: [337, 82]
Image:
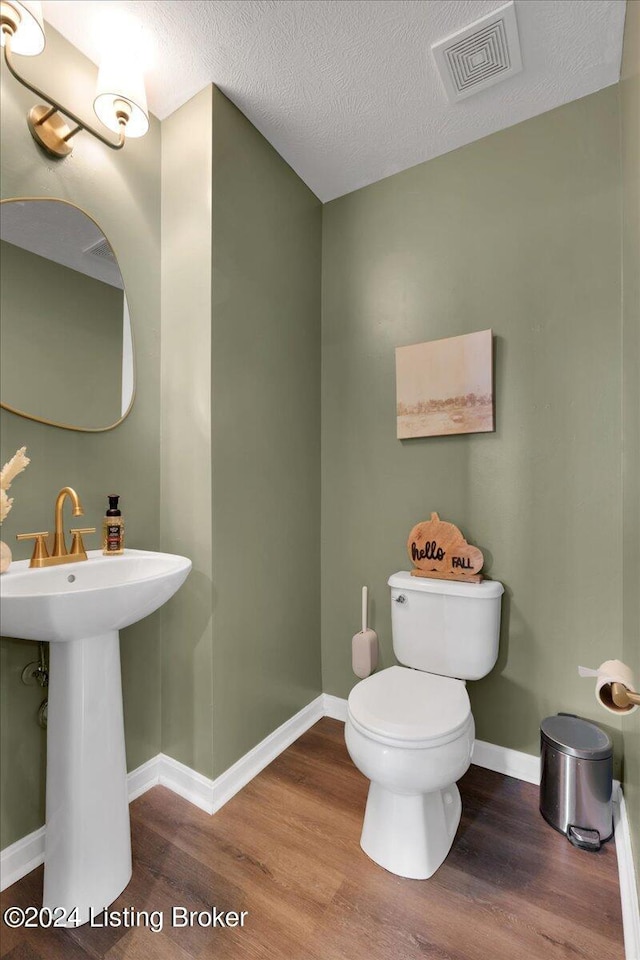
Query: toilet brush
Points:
[364, 646]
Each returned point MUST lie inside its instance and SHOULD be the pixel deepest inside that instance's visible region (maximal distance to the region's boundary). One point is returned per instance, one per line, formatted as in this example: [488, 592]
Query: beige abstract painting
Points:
[445, 386]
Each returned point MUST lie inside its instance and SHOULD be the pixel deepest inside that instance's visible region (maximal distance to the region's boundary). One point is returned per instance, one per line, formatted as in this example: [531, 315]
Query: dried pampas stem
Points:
[5, 505]
[13, 467]
[8, 473]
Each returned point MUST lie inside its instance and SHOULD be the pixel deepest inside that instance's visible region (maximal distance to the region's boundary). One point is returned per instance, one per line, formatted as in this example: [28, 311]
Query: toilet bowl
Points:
[409, 728]
[411, 734]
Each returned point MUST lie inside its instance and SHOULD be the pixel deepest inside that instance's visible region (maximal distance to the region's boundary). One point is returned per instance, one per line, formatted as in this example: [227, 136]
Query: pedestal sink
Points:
[79, 608]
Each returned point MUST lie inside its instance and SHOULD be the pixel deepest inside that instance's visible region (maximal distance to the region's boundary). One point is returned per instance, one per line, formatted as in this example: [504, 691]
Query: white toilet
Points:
[410, 729]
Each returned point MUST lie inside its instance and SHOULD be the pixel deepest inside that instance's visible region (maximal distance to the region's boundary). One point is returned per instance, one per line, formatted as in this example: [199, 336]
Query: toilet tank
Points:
[446, 626]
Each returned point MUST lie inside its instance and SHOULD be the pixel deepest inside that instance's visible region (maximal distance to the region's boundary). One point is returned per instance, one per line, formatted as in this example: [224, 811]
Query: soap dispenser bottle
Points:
[113, 529]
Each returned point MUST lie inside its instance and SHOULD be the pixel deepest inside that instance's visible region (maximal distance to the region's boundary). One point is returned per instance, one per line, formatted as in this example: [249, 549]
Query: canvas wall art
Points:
[445, 386]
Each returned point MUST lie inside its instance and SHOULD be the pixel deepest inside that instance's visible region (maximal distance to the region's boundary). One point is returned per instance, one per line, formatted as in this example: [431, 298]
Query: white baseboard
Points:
[187, 783]
[170, 773]
[512, 763]
[144, 777]
[627, 875]
[210, 795]
[246, 768]
[21, 858]
[335, 707]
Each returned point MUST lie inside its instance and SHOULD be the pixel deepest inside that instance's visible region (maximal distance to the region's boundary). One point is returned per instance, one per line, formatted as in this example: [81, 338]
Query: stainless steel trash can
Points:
[576, 783]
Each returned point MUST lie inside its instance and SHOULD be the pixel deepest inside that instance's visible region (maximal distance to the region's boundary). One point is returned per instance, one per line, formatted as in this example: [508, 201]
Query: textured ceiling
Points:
[346, 90]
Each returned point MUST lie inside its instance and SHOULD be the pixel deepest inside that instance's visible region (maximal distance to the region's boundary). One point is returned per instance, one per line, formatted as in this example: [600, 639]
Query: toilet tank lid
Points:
[485, 590]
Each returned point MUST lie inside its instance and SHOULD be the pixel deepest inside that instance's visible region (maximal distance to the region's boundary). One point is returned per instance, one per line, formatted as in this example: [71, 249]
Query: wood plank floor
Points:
[286, 849]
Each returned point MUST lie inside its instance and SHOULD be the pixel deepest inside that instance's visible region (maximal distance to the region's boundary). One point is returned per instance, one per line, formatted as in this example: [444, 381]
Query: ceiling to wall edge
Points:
[346, 163]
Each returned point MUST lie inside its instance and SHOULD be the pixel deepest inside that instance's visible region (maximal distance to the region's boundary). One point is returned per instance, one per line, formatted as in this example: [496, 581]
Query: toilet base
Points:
[410, 835]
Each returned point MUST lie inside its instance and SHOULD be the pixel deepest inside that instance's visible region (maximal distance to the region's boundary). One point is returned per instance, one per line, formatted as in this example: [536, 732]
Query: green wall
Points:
[519, 232]
[630, 126]
[77, 339]
[265, 418]
[234, 394]
[220, 457]
[240, 435]
[185, 515]
[122, 191]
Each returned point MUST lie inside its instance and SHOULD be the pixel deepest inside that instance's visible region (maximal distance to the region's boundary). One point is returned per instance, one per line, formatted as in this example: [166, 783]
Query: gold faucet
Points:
[59, 553]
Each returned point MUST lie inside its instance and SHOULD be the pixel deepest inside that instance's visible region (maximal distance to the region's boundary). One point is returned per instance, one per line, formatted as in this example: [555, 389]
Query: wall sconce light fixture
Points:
[120, 102]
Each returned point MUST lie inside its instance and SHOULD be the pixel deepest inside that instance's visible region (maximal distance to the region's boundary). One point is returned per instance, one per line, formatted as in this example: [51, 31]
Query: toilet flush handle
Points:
[400, 598]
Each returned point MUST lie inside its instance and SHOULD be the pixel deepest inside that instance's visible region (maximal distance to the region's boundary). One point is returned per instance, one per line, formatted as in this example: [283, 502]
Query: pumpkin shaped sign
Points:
[437, 549]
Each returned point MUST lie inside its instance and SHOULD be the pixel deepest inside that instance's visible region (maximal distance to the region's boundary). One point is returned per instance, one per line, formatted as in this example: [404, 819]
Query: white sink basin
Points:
[79, 600]
[80, 607]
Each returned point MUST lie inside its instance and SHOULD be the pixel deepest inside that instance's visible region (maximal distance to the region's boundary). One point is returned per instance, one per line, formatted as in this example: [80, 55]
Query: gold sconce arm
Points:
[623, 697]
[120, 102]
[45, 123]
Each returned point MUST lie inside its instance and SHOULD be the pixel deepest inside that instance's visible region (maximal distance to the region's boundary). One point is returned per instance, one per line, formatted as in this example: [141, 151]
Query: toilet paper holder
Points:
[616, 690]
[623, 697]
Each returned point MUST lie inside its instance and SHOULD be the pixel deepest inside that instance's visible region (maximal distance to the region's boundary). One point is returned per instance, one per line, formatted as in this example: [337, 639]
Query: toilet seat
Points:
[410, 708]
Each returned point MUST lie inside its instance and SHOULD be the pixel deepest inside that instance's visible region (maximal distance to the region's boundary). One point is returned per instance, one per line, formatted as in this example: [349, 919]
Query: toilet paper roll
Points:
[611, 671]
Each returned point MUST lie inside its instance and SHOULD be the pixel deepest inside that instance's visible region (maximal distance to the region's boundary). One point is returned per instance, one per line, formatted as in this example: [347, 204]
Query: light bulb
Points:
[28, 39]
[119, 79]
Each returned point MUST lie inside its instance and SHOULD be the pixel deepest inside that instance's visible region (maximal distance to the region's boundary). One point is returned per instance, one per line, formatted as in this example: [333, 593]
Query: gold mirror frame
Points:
[55, 423]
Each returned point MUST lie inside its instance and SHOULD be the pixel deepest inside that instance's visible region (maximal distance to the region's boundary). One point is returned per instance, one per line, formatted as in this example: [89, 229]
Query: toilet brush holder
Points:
[364, 645]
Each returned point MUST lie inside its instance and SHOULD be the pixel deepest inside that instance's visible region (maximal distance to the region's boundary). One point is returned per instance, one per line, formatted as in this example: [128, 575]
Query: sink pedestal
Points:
[78, 610]
[88, 838]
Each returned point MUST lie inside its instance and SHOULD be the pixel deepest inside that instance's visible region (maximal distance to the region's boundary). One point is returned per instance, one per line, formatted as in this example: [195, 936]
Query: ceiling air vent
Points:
[482, 54]
[101, 249]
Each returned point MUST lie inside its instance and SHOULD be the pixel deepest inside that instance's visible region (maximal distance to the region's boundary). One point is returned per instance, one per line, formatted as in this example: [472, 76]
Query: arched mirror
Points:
[66, 345]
